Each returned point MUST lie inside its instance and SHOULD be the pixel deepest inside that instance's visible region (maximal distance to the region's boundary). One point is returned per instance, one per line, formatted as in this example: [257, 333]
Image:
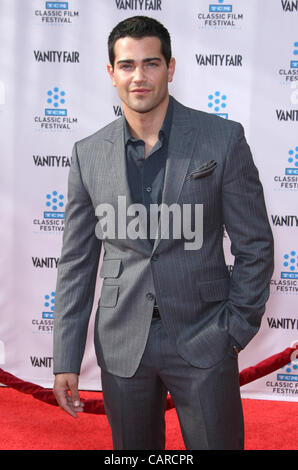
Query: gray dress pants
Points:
[207, 401]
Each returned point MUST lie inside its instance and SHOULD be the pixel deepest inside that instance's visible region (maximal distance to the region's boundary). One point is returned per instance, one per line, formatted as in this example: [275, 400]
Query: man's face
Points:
[140, 73]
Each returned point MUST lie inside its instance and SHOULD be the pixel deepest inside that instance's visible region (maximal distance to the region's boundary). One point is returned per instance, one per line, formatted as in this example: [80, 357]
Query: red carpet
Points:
[28, 424]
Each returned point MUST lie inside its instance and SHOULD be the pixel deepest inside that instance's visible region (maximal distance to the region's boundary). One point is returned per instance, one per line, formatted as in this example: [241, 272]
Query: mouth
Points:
[140, 91]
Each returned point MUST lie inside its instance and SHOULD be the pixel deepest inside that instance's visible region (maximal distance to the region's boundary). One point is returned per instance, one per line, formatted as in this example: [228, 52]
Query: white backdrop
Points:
[235, 58]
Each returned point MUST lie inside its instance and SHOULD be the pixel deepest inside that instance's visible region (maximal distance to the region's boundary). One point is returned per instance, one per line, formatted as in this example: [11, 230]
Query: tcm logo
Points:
[57, 5]
[220, 7]
[49, 304]
[289, 373]
[294, 63]
[217, 102]
[293, 160]
[54, 202]
[290, 263]
[56, 99]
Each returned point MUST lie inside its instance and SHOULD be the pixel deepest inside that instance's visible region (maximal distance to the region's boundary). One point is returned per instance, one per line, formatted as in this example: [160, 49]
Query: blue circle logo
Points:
[55, 201]
[56, 97]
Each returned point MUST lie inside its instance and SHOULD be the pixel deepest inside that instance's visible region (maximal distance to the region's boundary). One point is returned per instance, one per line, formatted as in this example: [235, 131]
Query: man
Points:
[170, 318]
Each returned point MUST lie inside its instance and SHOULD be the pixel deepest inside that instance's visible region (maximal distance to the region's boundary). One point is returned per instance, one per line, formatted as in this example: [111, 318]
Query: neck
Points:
[146, 126]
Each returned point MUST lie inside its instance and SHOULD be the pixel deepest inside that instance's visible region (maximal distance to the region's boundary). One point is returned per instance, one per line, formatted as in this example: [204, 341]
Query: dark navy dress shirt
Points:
[146, 175]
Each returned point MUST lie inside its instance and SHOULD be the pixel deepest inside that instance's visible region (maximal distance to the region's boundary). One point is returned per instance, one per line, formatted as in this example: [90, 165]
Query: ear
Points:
[110, 70]
[171, 69]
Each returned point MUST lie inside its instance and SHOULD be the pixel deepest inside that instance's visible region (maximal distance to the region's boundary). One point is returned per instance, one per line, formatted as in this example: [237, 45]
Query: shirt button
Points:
[148, 189]
[149, 296]
[154, 257]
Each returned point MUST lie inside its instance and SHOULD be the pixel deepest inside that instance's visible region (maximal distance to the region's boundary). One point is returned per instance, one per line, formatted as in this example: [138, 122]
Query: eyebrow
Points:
[131, 61]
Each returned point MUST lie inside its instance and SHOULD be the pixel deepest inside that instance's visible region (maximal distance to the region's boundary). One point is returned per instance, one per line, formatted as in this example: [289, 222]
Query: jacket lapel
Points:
[180, 149]
[116, 162]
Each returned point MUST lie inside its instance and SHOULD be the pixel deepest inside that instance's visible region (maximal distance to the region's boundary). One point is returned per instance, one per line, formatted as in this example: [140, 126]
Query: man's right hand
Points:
[63, 384]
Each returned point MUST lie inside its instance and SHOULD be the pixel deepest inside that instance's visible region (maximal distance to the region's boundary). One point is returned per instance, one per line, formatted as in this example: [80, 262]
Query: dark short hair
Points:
[140, 27]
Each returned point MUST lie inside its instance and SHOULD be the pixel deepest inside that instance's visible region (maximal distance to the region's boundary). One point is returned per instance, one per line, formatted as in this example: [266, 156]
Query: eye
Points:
[125, 66]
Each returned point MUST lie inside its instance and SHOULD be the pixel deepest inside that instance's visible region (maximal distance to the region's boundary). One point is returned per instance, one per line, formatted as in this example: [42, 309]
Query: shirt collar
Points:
[164, 130]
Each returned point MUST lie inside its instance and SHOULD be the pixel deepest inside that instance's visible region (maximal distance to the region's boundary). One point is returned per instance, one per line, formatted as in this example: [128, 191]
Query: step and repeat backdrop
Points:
[237, 58]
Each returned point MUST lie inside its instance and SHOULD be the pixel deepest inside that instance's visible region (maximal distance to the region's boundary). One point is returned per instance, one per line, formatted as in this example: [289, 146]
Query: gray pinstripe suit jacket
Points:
[202, 307]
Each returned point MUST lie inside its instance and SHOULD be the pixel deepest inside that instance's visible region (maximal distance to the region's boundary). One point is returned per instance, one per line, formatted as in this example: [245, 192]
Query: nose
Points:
[139, 75]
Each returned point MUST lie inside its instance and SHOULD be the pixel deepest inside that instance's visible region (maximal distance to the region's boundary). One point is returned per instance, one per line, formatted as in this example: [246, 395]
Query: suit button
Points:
[149, 296]
[154, 257]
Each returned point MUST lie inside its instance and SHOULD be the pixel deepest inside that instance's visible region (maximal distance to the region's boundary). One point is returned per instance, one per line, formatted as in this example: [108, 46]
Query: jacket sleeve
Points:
[246, 221]
[76, 276]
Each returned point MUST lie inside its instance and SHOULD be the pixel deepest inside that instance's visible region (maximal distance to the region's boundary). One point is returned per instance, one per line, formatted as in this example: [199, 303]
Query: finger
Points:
[68, 406]
[74, 393]
[62, 399]
[76, 406]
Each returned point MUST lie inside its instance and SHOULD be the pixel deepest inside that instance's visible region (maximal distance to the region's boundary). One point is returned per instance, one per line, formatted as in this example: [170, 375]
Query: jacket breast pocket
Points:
[212, 291]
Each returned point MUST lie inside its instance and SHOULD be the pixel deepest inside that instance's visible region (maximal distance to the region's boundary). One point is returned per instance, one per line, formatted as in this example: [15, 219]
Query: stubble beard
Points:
[140, 105]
